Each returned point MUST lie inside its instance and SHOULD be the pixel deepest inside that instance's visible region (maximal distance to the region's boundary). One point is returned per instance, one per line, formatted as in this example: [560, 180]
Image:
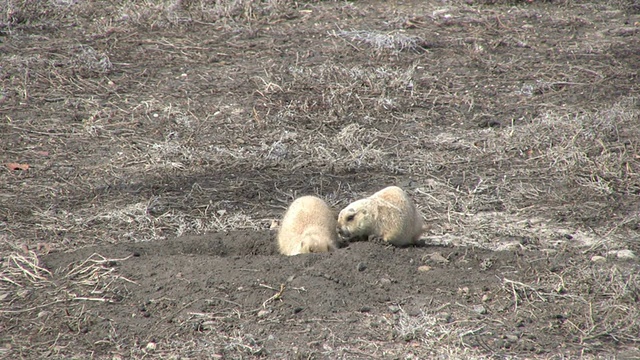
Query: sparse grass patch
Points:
[53, 303]
[395, 40]
[602, 300]
[344, 90]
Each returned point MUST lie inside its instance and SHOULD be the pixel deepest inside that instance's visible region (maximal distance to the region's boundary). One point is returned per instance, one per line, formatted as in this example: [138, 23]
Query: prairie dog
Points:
[308, 226]
[389, 214]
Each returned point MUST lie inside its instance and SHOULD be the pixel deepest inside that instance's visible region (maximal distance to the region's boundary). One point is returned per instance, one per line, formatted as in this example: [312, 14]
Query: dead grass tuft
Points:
[34, 296]
[603, 301]
[395, 40]
[94, 279]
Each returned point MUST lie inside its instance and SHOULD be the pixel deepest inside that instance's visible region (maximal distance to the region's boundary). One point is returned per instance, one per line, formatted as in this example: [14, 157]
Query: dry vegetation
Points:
[513, 124]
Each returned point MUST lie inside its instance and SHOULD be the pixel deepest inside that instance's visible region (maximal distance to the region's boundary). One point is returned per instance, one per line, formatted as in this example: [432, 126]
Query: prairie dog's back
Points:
[402, 213]
[308, 225]
[389, 213]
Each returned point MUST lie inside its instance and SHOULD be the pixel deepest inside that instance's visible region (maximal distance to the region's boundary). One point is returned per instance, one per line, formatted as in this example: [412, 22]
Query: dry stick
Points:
[515, 294]
[55, 302]
[469, 332]
[34, 131]
[225, 300]
[20, 261]
[333, 33]
[4, 278]
[274, 297]
[78, 270]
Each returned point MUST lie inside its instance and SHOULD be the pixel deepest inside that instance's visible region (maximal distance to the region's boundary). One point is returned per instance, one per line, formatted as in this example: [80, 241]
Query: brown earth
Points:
[147, 148]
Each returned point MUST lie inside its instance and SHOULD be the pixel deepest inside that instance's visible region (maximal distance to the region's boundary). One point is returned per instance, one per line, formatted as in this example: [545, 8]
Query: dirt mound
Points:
[233, 292]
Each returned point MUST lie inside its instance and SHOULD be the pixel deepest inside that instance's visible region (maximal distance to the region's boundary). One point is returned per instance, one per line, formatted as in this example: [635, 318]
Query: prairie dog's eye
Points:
[350, 217]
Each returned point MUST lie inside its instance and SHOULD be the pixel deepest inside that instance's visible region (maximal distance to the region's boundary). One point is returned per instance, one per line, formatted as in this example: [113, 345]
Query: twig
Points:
[274, 297]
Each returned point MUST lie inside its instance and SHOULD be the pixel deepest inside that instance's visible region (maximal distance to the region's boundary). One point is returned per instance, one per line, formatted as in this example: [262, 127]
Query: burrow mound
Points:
[231, 283]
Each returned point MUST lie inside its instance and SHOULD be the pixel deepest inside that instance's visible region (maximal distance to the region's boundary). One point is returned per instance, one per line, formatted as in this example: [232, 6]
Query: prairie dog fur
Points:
[389, 214]
[308, 226]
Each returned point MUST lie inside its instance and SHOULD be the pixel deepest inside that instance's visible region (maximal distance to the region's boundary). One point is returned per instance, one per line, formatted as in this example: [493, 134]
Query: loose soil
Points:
[149, 149]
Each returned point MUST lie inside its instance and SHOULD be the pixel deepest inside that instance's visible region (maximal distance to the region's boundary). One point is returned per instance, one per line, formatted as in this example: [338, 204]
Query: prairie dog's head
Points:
[313, 244]
[356, 219]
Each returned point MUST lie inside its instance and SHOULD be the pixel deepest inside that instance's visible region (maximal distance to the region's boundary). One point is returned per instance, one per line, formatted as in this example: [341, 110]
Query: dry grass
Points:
[54, 303]
[602, 300]
[589, 152]
[392, 41]
[94, 279]
[502, 145]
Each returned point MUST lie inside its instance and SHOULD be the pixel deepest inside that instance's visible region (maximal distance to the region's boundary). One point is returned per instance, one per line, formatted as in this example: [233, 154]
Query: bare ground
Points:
[147, 147]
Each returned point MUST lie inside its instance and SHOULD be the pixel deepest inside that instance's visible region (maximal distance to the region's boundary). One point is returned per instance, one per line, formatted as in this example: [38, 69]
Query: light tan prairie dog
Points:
[389, 214]
[308, 226]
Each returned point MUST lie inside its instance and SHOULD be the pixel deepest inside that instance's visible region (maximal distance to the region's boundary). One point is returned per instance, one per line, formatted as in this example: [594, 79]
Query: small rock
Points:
[43, 313]
[480, 309]
[509, 246]
[394, 309]
[435, 257]
[511, 338]
[209, 325]
[486, 297]
[151, 346]
[624, 254]
[365, 309]
[362, 266]
[263, 313]
[598, 259]
[297, 310]
[424, 268]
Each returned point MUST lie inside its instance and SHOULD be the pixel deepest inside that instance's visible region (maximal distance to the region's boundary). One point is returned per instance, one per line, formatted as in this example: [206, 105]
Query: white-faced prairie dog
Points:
[389, 214]
[308, 226]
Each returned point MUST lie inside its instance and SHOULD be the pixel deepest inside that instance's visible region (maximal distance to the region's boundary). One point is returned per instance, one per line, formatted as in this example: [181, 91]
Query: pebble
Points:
[480, 309]
[424, 268]
[598, 259]
[362, 266]
[394, 309]
[511, 338]
[435, 257]
[623, 254]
